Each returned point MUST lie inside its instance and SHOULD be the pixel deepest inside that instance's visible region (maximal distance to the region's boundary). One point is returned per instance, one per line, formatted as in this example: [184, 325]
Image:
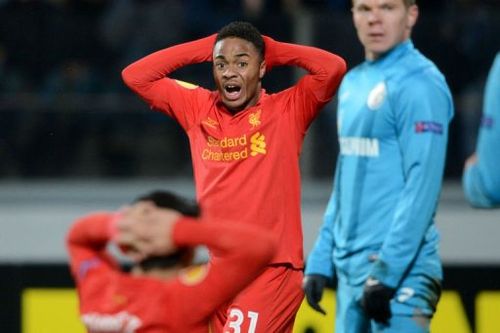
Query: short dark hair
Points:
[407, 3]
[165, 199]
[243, 30]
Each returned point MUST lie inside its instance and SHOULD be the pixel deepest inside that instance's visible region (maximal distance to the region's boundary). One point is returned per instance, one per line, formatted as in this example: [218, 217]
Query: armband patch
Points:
[186, 85]
[87, 265]
[486, 122]
[428, 126]
[193, 275]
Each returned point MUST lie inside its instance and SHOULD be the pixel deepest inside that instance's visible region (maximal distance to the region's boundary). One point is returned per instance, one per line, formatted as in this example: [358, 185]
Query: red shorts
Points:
[267, 305]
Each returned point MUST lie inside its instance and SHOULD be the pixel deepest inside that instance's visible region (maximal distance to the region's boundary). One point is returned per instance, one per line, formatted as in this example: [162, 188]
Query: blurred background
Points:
[74, 139]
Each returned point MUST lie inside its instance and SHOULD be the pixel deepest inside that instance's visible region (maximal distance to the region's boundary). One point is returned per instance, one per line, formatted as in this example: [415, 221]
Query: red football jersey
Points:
[246, 165]
[116, 302]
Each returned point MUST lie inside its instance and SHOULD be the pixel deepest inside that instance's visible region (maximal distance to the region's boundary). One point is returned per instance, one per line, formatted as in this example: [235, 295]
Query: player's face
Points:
[382, 24]
[238, 70]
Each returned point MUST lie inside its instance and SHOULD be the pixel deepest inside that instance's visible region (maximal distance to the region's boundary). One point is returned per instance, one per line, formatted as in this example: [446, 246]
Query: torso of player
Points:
[371, 175]
[118, 303]
[369, 149]
[246, 168]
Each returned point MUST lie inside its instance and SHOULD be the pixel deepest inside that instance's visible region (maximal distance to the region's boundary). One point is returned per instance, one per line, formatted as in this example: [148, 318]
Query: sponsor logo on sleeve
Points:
[428, 127]
[487, 122]
[87, 265]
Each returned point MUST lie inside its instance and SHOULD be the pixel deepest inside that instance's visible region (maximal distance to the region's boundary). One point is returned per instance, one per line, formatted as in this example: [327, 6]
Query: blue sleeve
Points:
[482, 182]
[423, 108]
[320, 260]
[474, 188]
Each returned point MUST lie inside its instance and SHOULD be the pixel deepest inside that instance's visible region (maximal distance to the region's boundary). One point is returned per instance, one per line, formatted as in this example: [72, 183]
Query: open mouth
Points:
[232, 91]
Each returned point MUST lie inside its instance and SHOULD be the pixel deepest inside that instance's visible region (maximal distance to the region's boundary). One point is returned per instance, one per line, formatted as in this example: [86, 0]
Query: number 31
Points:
[236, 318]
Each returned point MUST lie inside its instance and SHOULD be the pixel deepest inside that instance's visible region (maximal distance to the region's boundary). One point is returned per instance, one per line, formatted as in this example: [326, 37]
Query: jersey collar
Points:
[390, 57]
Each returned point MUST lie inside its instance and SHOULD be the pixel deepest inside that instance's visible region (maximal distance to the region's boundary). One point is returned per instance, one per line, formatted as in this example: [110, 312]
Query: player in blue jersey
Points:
[378, 237]
[481, 178]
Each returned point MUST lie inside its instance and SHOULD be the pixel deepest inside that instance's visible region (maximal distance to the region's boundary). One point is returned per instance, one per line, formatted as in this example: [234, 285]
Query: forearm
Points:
[326, 67]
[92, 231]
[86, 242]
[160, 64]
[238, 254]
[320, 259]
[227, 241]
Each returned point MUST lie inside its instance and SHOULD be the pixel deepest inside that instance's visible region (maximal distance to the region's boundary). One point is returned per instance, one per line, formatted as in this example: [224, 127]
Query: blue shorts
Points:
[412, 307]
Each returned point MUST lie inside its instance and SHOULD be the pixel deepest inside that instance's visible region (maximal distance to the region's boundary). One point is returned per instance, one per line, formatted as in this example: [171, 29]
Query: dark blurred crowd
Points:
[65, 112]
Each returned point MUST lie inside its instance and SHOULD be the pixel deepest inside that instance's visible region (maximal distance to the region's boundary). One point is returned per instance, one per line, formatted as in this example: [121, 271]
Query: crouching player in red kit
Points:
[162, 293]
[245, 147]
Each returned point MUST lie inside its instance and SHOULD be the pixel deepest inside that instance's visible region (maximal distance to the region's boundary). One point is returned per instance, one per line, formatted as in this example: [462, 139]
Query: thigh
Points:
[418, 295]
[349, 317]
[269, 304]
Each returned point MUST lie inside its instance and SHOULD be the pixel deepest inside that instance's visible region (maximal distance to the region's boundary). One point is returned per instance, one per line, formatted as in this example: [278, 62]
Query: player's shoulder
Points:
[414, 68]
[418, 76]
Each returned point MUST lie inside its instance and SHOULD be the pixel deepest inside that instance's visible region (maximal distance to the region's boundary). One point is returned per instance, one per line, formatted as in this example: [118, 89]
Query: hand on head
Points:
[145, 230]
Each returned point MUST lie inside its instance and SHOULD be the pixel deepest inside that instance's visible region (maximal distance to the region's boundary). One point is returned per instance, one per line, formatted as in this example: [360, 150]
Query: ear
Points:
[412, 16]
[262, 69]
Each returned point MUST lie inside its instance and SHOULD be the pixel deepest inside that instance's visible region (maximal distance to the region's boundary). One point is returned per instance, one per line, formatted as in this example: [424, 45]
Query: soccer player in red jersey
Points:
[245, 146]
[161, 293]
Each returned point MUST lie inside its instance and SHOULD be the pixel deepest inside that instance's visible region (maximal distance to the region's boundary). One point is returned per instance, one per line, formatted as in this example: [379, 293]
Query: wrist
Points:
[112, 228]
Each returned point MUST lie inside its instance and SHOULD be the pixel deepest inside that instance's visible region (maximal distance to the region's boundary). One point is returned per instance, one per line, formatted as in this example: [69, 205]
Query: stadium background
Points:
[73, 139]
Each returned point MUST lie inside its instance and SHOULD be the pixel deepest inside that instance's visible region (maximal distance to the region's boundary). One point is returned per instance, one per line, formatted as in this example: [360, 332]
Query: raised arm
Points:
[86, 243]
[241, 252]
[325, 69]
[149, 76]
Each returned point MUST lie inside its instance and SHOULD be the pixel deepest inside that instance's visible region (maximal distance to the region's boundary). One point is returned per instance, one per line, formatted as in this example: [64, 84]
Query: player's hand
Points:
[376, 300]
[146, 230]
[270, 45]
[313, 286]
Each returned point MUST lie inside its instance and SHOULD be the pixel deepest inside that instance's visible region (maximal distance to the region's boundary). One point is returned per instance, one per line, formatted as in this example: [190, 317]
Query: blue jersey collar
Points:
[390, 57]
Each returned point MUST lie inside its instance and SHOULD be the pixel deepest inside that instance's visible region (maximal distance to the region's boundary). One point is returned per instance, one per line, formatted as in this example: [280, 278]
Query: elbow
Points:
[337, 70]
[127, 77]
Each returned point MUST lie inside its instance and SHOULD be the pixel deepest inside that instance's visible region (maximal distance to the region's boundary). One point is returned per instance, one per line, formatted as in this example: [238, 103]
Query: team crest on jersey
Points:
[186, 85]
[254, 118]
[377, 96]
[193, 275]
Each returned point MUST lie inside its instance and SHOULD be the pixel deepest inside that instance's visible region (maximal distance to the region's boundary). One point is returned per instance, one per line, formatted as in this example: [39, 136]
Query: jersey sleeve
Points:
[474, 188]
[481, 181]
[324, 73]
[423, 108]
[320, 260]
[239, 253]
[86, 243]
[150, 78]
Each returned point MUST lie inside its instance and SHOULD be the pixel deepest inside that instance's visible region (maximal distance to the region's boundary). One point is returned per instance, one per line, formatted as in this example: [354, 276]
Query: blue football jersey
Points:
[481, 181]
[393, 116]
